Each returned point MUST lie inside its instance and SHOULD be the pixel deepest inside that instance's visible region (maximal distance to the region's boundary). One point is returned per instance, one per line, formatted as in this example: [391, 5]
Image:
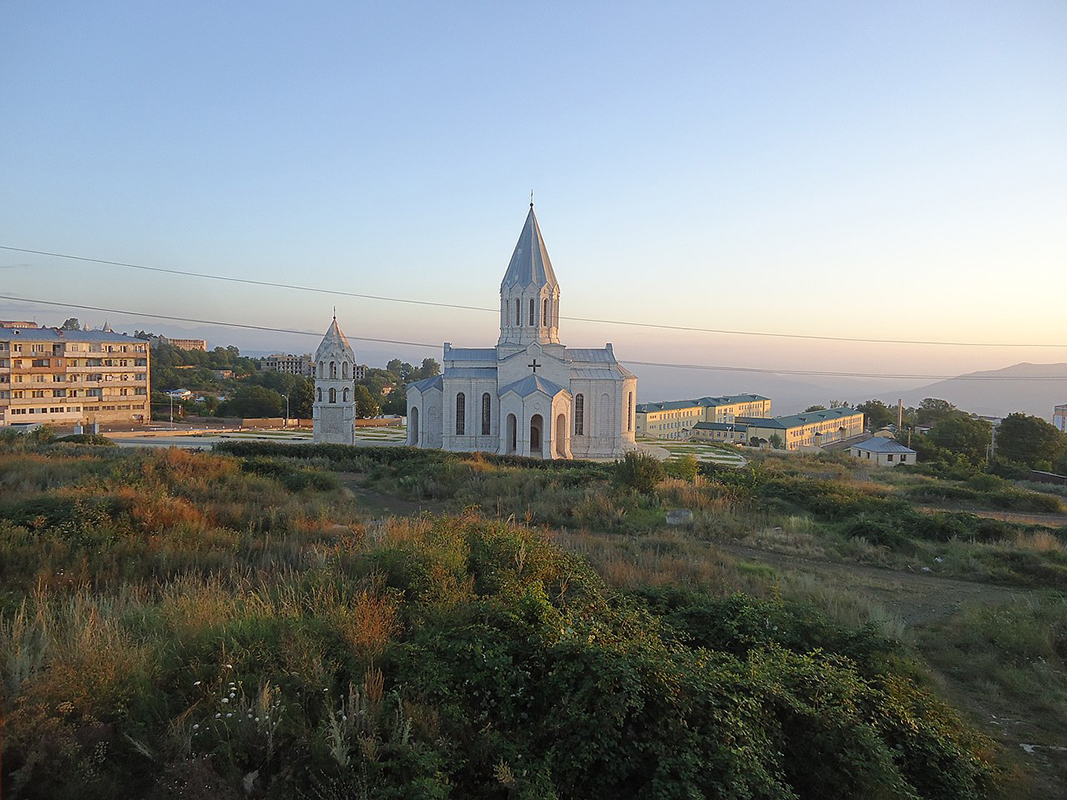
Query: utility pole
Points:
[900, 413]
[171, 412]
[286, 425]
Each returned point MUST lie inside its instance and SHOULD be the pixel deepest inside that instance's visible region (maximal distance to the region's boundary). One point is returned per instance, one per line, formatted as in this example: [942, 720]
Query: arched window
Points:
[533, 312]
[344, 394]
[579, 415]
[320, 369]
[507, 313]
[518, 311]
[318, 395]
[344, 369]
[461, 413]
[630, 413]
[333, 370]
[333, 395]
[487, 413]
[544, 313]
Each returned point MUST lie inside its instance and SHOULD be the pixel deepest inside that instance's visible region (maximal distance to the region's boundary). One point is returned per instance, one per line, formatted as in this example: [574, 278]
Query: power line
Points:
[628, 323]
[704, 367]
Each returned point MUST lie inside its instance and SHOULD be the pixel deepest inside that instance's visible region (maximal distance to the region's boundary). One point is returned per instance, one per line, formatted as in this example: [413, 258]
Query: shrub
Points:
[639, 472]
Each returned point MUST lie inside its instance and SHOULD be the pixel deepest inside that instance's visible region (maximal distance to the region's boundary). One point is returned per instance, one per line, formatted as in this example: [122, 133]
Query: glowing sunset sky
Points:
[892, 170]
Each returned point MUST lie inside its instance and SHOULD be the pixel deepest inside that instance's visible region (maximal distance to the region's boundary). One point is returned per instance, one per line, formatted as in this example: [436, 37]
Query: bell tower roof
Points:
[333, 340]
[530, 264]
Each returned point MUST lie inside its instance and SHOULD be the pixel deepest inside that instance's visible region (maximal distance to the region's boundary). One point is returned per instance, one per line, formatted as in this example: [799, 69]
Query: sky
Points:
[888, 171]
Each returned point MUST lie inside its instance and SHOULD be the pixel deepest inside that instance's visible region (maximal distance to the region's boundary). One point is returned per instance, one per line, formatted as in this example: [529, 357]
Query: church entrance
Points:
[536, 430]
[512, 434]
[561, 436]
[413, 427]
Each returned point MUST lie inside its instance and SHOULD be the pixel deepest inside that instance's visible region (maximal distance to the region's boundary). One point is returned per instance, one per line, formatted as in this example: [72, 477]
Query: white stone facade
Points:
[529, 395]
[334, 410]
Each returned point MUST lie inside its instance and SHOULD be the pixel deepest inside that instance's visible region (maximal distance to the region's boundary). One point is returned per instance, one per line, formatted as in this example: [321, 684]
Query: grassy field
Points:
[175, 622]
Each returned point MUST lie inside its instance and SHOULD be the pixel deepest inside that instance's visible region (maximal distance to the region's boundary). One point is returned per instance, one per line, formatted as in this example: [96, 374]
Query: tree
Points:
[253, 401]
[932, 410]
[302, 398]
[962, 435]
[877, 414]
[1028, 440]
[366, 405]
[71, 324]
[428, 369]
[814, 408]
[639, 471]
[775, 441]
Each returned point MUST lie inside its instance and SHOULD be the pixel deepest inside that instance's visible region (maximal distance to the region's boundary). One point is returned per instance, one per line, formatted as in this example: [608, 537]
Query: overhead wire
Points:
[427, 345]
[462, 307]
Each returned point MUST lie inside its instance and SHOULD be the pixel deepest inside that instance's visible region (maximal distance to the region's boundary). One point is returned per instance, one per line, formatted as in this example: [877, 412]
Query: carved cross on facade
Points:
[534, 366]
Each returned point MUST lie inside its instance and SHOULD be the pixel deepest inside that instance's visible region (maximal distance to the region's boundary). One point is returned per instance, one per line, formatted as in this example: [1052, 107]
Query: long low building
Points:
[676, 419]
[810, 429]
[61, 377]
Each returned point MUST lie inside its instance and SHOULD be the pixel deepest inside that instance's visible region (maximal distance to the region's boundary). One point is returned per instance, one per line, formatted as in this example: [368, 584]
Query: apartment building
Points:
[181, 344]
[1059, 417]
[60, 377]
[810, 429]
[676, 419]
[289, 363]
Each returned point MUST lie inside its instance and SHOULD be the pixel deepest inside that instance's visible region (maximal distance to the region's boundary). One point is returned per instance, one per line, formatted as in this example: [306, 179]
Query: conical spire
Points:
[334, 338]
[530, 264]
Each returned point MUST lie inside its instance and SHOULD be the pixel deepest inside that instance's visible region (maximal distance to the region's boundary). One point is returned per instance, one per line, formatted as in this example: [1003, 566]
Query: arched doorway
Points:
[512, 434]
[413, 426]
[561, 435]
[536, 435]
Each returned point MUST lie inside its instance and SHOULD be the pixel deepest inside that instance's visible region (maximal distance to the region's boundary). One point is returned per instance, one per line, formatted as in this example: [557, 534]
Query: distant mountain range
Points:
[1009, 391]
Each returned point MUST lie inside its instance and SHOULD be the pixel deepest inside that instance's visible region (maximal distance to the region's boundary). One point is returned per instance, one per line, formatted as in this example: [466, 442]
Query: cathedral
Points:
[529, 395]
[334, 409]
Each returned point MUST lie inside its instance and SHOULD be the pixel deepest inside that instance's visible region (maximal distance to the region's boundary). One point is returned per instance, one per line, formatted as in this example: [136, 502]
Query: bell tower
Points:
[335, 402]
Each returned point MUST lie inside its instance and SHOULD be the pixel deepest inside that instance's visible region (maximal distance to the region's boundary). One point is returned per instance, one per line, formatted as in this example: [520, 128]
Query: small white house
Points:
[883, 452]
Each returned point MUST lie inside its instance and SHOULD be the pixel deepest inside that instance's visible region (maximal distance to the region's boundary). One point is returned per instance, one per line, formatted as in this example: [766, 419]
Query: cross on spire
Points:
[531, 198]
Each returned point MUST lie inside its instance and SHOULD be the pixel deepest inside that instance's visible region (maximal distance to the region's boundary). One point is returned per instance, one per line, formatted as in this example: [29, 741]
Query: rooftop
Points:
[879, 444]
[530, 264]
[59, 335]
[798, 420]
[700, 402]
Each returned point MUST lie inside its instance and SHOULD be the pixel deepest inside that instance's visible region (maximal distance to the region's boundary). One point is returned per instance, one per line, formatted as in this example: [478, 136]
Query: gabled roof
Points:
[427, 383]
[532, 384]
[798, 420]
[530, 265]
[879, 444]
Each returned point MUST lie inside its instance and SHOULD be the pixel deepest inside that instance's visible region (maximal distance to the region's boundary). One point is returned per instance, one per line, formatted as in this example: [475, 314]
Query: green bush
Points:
[639, 472]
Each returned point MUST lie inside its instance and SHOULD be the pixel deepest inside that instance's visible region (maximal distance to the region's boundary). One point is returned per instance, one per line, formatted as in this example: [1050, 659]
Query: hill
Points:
[1009, 392]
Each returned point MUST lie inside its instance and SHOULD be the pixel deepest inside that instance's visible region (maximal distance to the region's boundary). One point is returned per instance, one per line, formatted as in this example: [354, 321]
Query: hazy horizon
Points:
[893, 172]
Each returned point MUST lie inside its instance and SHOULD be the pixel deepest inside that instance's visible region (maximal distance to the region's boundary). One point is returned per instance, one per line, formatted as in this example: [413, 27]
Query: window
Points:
[320, 370]
[333, 395]
[318, 395]
[461, 413]
[518, 311]
[889, 457]
[544, 313]
[344, 370]
[487, 414]
[630, 414]
[333, 371]
[507, 313]
[533, 312]
[579, 415]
